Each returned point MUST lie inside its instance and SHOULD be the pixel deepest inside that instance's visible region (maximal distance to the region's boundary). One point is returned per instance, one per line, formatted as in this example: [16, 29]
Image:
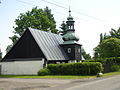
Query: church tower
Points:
[70, 44]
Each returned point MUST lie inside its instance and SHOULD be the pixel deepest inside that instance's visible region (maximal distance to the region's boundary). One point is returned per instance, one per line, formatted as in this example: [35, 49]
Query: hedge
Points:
[115, 68]
[99, 60]
[43, 72]
[84, 68]
[113, 60]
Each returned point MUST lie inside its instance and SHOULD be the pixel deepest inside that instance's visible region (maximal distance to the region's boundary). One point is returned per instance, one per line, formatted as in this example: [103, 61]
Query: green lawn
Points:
[50, 76]
[111, 74]
[59, 76]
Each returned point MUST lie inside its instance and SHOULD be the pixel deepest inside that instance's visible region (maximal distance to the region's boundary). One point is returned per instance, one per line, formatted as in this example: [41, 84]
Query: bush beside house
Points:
[115, 68]
[109, 64]
[43, 72]
[85, 68]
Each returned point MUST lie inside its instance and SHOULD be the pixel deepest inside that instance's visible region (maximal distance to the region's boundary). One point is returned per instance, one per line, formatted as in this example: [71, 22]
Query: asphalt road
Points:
[111, 83]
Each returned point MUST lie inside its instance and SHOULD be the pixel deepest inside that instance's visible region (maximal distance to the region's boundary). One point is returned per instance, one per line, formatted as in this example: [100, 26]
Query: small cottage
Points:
[35, 49]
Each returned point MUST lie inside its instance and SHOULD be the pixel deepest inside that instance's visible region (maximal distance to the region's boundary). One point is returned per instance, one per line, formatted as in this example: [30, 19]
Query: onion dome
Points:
[70, 37]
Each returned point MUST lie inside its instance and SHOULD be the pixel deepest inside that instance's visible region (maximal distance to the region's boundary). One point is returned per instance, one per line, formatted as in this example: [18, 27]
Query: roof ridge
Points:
[42, 31]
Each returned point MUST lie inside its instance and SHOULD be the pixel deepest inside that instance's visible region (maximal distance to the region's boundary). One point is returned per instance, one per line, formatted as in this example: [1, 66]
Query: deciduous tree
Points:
[109, 48]
[40, 19]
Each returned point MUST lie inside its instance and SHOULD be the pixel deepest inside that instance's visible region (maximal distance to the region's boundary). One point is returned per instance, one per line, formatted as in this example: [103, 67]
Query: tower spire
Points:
[70, 37]
[69, 11]
[70, 17]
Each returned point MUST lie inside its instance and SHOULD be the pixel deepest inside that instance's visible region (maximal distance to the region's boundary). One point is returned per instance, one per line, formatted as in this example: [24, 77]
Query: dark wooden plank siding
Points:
[26, 47]
[77, 52]
[74, 55]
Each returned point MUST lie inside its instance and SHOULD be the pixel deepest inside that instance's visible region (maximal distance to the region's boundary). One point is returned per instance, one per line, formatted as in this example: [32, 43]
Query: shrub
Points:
[115, 68]
[85, 68]
[113, 60]
[43, 72]
[98, 60]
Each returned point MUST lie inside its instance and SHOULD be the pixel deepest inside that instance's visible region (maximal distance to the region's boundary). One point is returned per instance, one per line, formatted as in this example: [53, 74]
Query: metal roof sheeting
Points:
[49, 44]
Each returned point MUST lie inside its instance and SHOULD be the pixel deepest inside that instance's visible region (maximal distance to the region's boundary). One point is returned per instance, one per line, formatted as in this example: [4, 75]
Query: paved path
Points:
[30, 84]
[111, 83]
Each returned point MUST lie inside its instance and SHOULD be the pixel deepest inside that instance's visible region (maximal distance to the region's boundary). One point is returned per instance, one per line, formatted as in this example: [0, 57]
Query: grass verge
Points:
[50, 76]
[58, 76]
[111, 74]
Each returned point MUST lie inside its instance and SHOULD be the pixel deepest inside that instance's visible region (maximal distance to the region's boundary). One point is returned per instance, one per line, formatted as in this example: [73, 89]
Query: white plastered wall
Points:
[21, 67]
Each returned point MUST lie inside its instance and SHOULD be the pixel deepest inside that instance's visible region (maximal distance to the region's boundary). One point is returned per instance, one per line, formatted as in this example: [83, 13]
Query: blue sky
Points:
[92, 17]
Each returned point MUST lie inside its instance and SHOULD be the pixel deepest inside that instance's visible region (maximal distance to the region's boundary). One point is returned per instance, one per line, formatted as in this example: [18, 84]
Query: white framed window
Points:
[69, 50]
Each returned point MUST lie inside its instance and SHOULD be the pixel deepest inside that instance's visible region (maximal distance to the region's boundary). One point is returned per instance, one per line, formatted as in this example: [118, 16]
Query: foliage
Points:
[109, 48]
[60, 76]
[109, 64]
[14, 39]
[64, 28]
[51, 19]
[85, 55]
[43, 72]
[36, 18]
[98, 50]
[9, 47]
[113, 60]
[97, 60]
[112, 34]
[85, 68]
[115, 68]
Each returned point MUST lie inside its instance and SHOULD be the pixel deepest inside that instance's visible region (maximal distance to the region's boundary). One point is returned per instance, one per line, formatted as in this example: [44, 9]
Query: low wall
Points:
[21, 67]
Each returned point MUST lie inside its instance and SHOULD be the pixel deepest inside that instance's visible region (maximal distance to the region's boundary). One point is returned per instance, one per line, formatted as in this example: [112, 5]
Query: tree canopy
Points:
[109, 48]
[112, 34]
[64, 28]
[40, 19]
[85, 55]
[109, 45]
[37, 19]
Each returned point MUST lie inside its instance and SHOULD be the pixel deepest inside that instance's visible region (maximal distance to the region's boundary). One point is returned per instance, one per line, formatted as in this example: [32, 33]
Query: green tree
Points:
[109, 48]
[64, 28]
[51, 18]
[96, 54]
[85, 55]
[112, 34]
[36, 18]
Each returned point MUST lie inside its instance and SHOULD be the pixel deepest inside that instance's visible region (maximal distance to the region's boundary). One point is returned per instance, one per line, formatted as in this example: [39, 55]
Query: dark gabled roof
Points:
[37, 44]
[49, 44]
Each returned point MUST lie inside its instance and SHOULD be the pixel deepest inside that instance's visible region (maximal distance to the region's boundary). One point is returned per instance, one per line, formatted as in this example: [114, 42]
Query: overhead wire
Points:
[28, 3]
[77, 12]
[35, 5]
[60, 7]
[73, 10]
